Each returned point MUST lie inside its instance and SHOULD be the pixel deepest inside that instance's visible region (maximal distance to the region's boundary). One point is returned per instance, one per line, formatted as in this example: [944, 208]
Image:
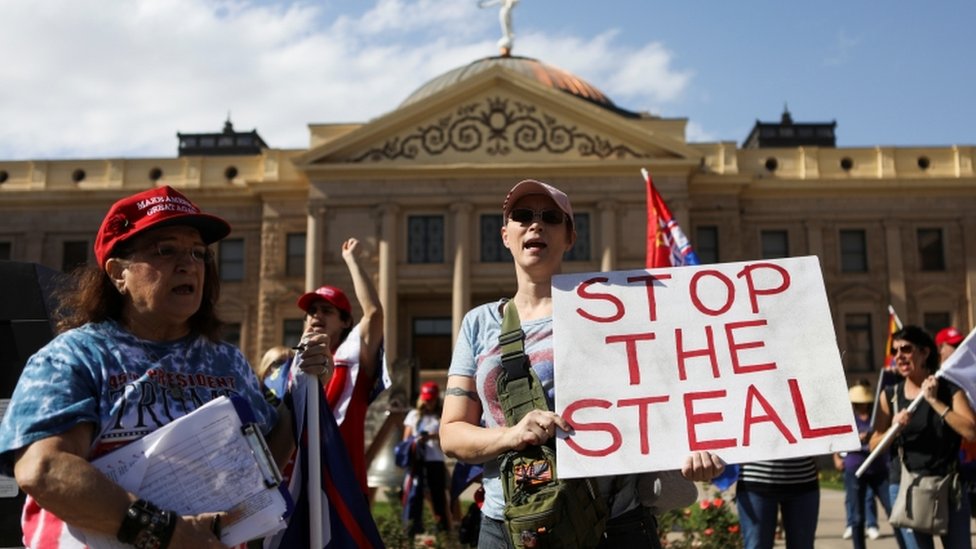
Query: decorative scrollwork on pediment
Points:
[498, 126]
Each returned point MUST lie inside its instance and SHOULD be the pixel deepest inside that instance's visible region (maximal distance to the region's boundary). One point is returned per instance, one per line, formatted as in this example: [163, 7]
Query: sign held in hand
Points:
[739, 359]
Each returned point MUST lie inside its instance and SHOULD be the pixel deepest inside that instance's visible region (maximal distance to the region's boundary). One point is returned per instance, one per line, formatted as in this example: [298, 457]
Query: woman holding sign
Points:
[930, 437]
[139, 347]
[538, 230]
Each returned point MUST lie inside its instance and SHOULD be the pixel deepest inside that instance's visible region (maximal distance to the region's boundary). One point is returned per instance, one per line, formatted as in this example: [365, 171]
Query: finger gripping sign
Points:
[739, 359]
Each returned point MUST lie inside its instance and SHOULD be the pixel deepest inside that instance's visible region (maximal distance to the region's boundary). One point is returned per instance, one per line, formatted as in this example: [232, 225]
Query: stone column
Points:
[969, 268]
[387, 278]
[898, 296]
[815, 246]
[608, 234]
[461, 283]
[314, 244]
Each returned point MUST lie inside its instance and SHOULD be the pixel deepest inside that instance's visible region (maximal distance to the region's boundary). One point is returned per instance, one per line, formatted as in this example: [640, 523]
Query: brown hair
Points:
[88, 295]
[272, 357]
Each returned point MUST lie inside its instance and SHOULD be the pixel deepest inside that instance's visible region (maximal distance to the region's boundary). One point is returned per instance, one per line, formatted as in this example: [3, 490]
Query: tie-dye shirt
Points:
[477, 355]
[127, 387]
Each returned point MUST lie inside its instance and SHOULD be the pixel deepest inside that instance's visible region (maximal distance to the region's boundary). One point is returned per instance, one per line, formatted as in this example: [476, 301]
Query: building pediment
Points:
[498, 117]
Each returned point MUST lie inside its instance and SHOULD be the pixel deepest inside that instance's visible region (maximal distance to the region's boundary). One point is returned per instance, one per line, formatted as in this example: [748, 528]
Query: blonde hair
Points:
[274, 356]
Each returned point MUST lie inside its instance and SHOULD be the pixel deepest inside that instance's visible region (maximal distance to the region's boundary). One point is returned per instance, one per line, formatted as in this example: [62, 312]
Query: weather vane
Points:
[505, 17]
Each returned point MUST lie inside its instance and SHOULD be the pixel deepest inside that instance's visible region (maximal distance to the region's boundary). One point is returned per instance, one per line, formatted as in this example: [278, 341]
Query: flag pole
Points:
[314, 486]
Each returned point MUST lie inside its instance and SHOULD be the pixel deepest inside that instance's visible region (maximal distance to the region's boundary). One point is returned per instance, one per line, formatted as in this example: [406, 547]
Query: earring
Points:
[122, 290]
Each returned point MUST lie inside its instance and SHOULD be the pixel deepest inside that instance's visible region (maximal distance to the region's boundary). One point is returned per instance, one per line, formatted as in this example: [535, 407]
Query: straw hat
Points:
[860, 394]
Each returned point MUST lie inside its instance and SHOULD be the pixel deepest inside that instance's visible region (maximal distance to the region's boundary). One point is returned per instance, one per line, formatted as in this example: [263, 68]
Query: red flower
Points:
[717, 502]
[704, 504]
[708, 531]
[734, 528]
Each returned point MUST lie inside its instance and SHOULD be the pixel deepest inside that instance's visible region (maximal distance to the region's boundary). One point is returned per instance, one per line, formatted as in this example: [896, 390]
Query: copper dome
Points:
[542, 73]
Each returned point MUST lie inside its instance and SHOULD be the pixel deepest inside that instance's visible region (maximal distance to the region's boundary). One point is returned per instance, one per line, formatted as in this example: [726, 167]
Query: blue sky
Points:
[110, 78]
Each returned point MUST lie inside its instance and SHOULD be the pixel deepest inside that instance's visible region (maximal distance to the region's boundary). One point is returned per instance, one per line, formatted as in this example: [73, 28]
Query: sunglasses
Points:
[907, 349]
[527, 216]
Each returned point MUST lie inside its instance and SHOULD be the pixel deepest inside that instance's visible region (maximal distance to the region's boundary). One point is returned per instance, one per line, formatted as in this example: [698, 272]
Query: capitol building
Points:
[422, 188]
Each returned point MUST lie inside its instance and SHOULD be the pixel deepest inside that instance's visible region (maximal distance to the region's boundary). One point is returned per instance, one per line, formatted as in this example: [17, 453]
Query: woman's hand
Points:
[702, 466]
[930, 388]
[536, 428]
[197, 531]
[316, 357]
[901, 418]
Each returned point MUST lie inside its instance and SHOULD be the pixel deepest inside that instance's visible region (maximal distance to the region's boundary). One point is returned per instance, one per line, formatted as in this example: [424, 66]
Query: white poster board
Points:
[739, 359]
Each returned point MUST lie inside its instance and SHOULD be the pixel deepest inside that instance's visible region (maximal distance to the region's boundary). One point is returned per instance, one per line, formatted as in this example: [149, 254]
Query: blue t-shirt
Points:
[126, 386]
[477, 355]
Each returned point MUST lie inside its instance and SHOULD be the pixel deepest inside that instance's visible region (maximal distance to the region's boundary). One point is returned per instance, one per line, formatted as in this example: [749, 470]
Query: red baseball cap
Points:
[429, 391]
[949, 335]
[152, 209]
[331, 294]
[531, 186]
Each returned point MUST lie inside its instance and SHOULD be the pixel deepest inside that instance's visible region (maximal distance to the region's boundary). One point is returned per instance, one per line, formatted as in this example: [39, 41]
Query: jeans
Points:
[757, 517]
[870, 505]
[959, 534]
[857, 490]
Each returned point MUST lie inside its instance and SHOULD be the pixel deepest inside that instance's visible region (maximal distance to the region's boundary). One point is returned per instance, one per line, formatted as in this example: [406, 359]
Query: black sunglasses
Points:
[527, 216]
[907, 349]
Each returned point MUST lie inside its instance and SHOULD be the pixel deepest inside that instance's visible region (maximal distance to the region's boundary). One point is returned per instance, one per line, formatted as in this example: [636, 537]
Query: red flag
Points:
[667, 245]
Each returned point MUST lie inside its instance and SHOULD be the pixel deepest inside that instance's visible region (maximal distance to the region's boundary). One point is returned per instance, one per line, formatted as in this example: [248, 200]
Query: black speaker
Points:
[25, 327]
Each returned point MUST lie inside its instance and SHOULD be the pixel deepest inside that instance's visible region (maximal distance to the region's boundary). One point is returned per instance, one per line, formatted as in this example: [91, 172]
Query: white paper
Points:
[740, 359]
[199, 463]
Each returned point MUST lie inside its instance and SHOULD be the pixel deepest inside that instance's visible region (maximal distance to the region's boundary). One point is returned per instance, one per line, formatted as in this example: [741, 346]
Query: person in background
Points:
[423, 422]
[931, 436]
[272, 372]
[357, 349]
[787, 486]
[138, 347]
[538, 230]
[947, 340]
[860, 492]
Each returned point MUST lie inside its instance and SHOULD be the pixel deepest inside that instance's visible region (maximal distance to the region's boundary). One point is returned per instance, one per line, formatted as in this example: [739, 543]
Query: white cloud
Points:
[97, 78]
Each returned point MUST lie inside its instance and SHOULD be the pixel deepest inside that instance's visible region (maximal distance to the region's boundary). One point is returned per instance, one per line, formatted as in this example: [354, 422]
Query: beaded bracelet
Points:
[146, 526]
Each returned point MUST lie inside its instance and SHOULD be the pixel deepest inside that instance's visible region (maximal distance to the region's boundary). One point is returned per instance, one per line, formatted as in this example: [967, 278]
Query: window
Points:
[581, 250]
[931, 252]
[232, 333]
[706, 243]
[74, 254]
[425, 239]
[853, 251]
[492, 249]
[5, 252]
[775, 244]
[231, 265]
[292, 331]
[295, 254]
[935, 321]
[432, 342]
[859, 352]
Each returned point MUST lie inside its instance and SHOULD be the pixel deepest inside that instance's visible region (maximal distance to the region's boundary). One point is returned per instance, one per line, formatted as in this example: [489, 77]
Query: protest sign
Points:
[739, 359]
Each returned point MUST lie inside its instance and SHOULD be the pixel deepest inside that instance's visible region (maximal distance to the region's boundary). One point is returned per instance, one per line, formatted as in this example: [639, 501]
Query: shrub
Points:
[710, 523]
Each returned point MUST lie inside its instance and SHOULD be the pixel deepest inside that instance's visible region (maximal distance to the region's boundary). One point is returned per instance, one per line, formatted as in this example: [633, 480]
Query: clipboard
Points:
[213, 459]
